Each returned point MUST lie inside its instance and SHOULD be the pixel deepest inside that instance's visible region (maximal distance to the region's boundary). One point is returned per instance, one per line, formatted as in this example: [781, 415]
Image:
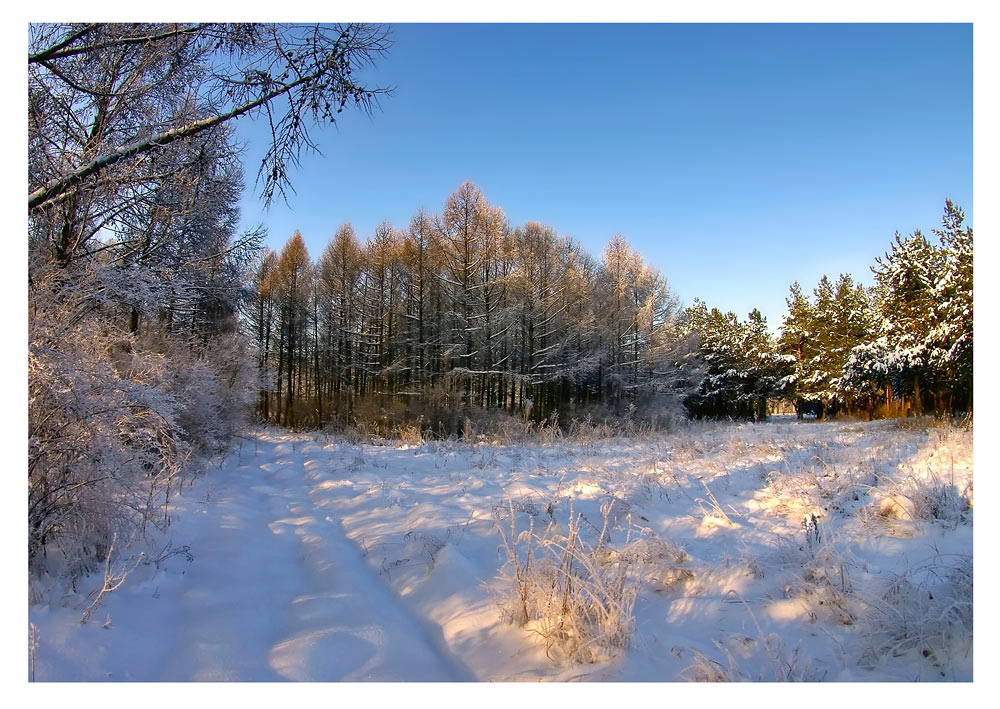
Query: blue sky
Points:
[735, 158]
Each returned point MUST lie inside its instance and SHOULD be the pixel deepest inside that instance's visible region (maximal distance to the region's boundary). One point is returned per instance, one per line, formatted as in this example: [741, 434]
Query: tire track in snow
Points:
[279, 592]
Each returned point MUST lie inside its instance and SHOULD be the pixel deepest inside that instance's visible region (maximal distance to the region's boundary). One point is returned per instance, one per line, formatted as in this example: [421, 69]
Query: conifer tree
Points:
[953, 291]
[292, 288]
[906, 277]
[797, 339]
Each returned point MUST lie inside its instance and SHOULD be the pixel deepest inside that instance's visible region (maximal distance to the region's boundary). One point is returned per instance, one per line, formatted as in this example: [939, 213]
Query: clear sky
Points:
[735, 158]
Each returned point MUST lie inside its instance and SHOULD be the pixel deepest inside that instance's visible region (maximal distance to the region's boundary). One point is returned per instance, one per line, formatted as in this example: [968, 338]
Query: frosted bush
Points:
[102, 454]
[927, 609]
[577, 598]
[914, 501]
[661, 564]
[113, 419]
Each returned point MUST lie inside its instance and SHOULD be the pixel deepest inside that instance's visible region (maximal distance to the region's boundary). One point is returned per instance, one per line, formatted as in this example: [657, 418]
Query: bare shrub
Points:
[587, 430]
[410, 434]
[711, 507]
[103, 450]
[814, 568]
[417, 551]
[661, 563]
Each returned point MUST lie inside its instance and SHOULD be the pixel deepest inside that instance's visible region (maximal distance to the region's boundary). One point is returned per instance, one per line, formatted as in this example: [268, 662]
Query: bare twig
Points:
[112, 580]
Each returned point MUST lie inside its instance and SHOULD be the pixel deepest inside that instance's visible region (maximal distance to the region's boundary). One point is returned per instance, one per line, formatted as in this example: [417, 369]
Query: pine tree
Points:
[797, 339]
[850, 326]
[906, 278]
[743, 369]
[952, 334]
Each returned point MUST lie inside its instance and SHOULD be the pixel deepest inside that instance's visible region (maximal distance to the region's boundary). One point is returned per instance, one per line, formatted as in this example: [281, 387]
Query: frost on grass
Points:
[577, 597]
[925, 609]
[590, 558]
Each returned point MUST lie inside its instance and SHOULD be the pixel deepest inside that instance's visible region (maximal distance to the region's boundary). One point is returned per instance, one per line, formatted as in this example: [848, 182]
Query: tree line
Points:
[903, 346]
[461, 310]
[898, 348]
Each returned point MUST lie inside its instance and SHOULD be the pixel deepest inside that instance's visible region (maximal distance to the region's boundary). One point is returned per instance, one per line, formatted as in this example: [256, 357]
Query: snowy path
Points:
[280, 576]
[276, 592]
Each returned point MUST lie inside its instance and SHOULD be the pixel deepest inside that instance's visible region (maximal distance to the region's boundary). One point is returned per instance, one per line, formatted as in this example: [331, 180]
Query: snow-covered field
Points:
[788, 550]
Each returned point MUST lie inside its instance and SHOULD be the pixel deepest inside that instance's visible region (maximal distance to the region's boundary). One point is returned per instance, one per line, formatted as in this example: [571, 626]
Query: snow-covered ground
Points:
[786, 550]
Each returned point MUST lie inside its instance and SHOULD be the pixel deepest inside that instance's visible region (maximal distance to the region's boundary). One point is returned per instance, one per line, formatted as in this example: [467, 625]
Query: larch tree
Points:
[534, 286]
[340, 270]
[462, 226]
[261, 317]
[292, 287]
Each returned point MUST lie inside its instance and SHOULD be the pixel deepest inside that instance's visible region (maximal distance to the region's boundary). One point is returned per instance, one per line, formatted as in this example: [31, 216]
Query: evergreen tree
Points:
[906, 278]
[797, 339]
[952, 334]
[917, 348]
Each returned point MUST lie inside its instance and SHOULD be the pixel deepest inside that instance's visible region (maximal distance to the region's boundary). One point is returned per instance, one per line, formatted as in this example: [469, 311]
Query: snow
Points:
[318, 559]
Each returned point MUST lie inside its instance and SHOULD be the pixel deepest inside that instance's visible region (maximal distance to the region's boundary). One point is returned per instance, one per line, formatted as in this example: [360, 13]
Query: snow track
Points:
[276, 592]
